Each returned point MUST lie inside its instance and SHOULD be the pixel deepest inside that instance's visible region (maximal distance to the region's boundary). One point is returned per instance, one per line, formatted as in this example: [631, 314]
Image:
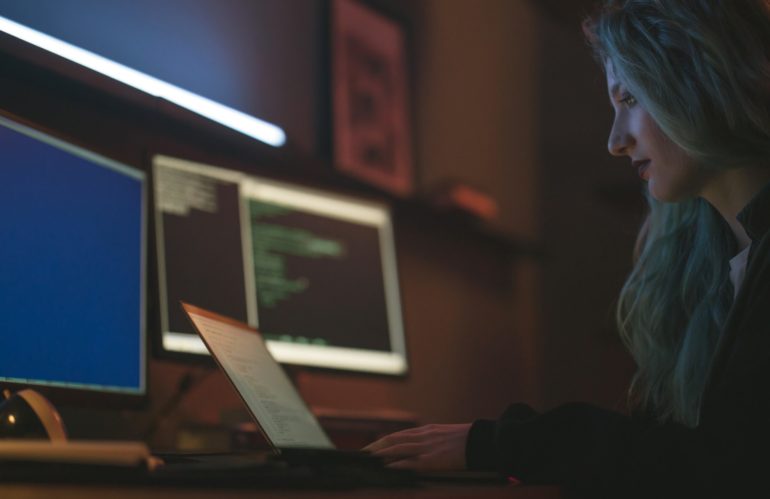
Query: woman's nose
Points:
[620, 141]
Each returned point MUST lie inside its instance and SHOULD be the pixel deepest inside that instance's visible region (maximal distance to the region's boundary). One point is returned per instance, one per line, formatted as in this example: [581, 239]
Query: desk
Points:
[431, 491]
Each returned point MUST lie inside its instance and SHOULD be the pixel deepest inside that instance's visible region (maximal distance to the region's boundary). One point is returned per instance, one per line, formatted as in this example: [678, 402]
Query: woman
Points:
[689, 81]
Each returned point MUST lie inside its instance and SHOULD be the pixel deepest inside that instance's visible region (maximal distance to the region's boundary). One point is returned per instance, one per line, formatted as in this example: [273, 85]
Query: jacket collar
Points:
[755, 216]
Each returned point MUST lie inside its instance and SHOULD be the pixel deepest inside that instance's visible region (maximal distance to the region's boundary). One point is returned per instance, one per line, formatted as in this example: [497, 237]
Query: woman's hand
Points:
[427, 448]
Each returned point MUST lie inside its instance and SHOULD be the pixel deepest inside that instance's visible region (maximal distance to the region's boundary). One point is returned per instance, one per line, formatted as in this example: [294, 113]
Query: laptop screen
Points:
[275, 404]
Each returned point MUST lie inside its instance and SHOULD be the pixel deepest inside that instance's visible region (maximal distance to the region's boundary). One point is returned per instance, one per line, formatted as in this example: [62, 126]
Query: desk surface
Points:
[431, 491]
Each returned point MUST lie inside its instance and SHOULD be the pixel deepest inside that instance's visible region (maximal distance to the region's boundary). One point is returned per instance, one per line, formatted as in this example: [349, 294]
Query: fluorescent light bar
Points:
[227, 116]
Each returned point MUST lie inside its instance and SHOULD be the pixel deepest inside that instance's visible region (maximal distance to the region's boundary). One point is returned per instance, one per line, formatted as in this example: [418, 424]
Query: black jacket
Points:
[609, 454]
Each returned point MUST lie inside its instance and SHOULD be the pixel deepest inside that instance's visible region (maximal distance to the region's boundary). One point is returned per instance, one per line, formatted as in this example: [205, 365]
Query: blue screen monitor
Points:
[72, 269]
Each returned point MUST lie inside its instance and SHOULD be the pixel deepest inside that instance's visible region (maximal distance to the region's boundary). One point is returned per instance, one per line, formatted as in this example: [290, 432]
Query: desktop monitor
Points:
[72, 282]
[314, 271]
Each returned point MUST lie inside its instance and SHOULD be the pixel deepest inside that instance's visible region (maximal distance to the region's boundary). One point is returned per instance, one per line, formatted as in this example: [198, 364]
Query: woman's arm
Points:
[585, 448]
[427, 448]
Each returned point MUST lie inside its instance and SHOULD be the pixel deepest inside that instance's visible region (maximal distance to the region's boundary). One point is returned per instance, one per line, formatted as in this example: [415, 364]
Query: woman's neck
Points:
[730, 191]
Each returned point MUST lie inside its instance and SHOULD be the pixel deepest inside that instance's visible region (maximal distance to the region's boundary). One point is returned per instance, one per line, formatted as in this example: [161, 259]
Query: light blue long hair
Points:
[701, 69]
[674, 303]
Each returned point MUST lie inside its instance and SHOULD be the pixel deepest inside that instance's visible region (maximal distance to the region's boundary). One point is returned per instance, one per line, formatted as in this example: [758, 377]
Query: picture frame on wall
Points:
[371, 118]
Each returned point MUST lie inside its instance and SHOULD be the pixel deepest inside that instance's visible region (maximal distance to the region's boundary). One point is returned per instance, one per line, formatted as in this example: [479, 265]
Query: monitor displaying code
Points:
[314, 271]
[319, 279]
[201, 251]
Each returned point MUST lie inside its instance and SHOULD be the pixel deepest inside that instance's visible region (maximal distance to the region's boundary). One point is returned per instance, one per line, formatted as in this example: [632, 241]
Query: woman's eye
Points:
[628, 100]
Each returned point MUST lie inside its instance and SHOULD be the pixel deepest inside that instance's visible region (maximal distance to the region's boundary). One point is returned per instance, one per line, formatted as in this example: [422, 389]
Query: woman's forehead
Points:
[613, 84]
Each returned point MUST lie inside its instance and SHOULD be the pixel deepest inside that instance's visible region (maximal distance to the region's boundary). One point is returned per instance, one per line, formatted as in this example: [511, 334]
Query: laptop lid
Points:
[276, 406]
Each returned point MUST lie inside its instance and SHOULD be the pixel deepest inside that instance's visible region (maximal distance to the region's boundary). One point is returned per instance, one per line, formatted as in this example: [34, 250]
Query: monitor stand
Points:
[27, 414]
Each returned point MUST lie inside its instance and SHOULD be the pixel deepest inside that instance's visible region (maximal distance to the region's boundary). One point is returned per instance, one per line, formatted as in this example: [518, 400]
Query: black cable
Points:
[185, 384]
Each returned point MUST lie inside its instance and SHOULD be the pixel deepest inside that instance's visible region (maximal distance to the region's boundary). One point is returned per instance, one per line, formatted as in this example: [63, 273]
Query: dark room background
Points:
[507, 99]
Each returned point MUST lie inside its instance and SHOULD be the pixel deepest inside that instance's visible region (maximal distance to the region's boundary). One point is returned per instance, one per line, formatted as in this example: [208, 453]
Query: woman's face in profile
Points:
[671, 174]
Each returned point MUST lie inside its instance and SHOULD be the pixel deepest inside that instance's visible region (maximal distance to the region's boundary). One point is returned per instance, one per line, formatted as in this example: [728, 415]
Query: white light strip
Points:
[307, 355]
[338, 357]
[229, 117]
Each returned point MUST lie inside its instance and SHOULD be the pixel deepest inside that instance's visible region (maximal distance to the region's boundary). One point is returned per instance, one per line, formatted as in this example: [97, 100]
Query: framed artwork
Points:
[372, 133]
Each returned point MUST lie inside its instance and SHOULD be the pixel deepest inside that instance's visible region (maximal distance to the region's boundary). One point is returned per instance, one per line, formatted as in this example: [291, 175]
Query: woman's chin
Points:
[666, 195]
[657, 193]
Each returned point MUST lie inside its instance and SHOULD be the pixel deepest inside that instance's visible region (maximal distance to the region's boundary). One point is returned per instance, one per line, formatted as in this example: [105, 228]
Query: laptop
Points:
[282, 416]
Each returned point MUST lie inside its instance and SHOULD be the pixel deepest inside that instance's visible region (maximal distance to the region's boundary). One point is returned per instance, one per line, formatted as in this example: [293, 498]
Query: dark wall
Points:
[591, 207]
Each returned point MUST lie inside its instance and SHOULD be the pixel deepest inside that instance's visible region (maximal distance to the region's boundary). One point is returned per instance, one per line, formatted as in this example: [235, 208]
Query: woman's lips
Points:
[641, 168]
